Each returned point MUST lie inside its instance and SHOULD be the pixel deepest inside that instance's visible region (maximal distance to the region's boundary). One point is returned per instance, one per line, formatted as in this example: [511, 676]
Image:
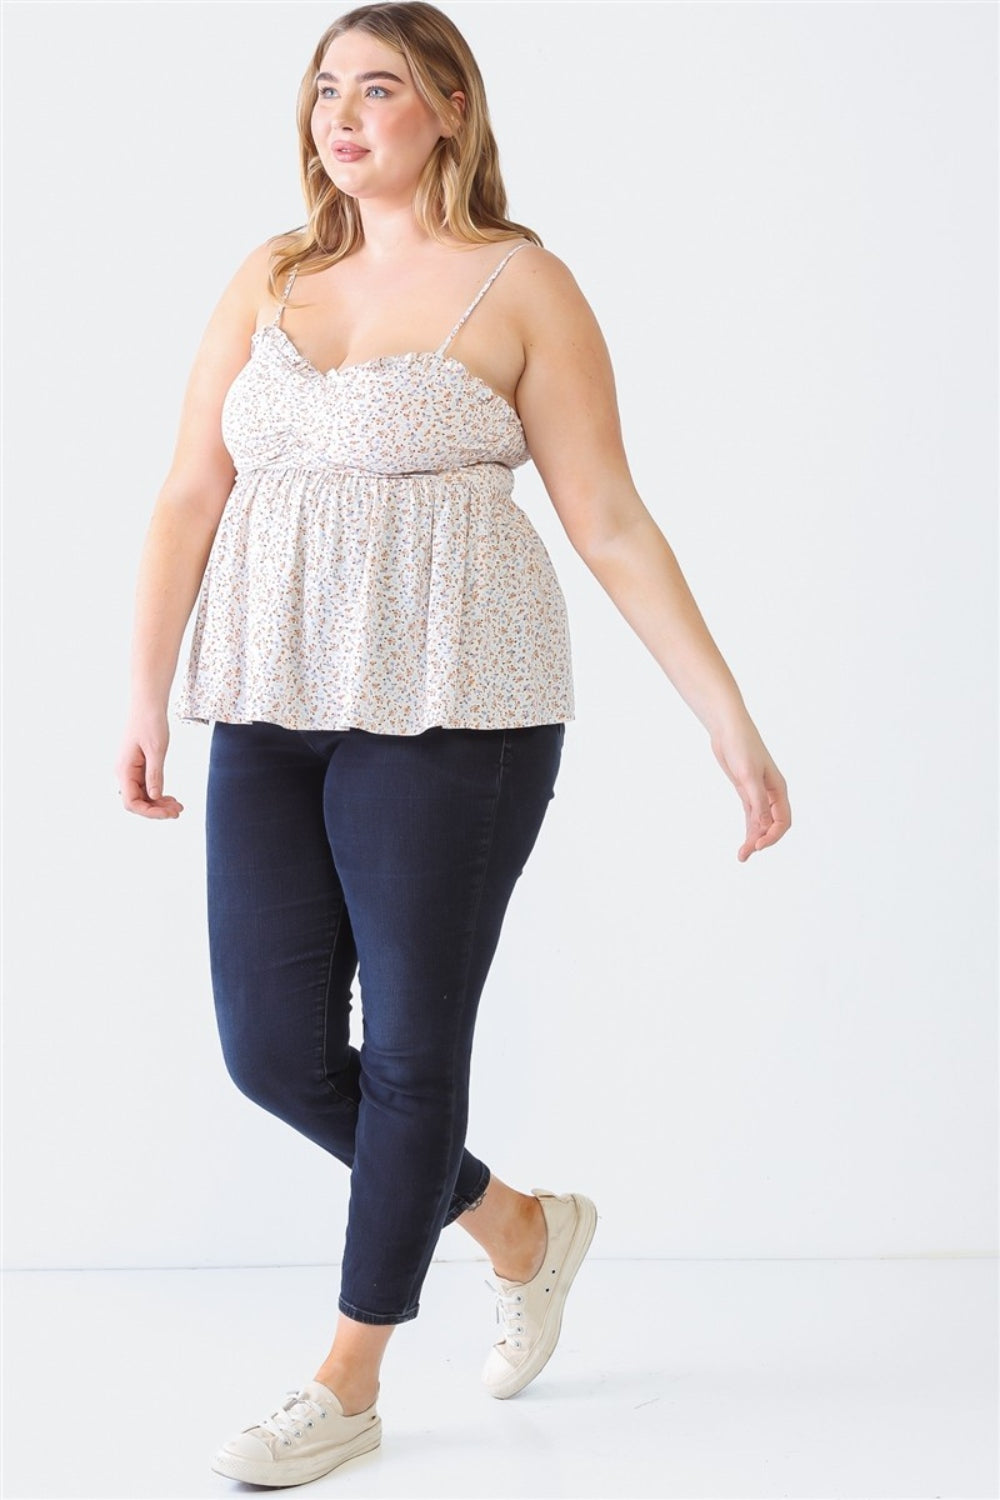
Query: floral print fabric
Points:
[371, 569]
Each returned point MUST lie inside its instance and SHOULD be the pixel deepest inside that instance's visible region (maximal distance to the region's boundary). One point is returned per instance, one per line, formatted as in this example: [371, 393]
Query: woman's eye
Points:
[325, 89]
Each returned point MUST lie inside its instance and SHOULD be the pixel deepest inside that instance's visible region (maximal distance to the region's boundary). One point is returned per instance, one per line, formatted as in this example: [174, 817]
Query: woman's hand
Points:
[140, 767]
[741, 753]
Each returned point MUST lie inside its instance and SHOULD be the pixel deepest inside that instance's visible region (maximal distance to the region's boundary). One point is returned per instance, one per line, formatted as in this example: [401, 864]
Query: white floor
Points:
[739, 1379]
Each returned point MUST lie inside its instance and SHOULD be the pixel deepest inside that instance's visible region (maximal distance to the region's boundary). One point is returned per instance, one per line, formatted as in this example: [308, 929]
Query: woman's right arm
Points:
[184, 522]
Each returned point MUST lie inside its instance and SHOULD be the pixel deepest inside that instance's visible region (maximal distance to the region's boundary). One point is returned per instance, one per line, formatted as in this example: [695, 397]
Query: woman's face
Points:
[371, 128]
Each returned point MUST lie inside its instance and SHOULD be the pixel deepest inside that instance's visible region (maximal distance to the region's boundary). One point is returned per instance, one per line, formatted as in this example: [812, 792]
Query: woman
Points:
[381, 644]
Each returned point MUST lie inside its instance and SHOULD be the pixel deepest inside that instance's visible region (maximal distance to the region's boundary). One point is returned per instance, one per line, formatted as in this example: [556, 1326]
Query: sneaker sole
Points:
[539, 1357]
[296, 1470]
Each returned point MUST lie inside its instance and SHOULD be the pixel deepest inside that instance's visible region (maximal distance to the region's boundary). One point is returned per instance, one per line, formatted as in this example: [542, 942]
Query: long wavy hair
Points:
[460, 192]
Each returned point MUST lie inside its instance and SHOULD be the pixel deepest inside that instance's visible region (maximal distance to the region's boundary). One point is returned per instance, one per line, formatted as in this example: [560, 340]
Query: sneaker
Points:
[307, 1436]
[531, 1311]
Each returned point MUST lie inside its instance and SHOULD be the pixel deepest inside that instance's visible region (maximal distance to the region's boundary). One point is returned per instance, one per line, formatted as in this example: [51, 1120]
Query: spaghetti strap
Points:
[284, 297]
[481, 293]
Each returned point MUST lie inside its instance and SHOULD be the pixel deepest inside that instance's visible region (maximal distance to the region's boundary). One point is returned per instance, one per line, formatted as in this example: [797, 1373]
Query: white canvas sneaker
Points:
[307, 1436]
[531, 1311]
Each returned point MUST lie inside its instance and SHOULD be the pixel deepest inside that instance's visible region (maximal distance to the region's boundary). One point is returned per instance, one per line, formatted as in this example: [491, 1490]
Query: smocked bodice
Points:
[399, 414]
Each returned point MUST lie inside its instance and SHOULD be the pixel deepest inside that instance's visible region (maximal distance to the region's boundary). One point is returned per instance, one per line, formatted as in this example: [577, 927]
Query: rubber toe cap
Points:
[247, 1446]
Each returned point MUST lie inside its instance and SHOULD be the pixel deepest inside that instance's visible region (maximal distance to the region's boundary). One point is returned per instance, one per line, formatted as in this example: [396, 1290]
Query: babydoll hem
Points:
[270, 716]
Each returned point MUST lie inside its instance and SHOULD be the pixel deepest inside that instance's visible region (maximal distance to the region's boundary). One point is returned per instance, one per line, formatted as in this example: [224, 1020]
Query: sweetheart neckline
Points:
[381, 359]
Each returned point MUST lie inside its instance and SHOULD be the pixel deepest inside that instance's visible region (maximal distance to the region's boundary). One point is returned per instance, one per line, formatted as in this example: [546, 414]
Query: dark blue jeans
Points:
[393, 857]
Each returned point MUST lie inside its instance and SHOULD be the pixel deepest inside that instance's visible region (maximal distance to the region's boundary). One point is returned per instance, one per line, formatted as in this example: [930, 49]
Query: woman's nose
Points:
[345, 116]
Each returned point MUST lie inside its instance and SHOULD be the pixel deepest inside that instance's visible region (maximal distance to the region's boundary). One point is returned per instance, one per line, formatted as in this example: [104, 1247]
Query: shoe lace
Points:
[509, 1311]
[294, 1413]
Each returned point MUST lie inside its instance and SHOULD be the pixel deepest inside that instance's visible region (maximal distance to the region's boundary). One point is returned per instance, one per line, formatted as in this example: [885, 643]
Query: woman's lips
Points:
[349, 153]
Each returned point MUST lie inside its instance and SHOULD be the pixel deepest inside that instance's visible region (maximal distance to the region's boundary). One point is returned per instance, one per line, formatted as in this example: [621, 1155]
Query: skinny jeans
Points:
[342, 854]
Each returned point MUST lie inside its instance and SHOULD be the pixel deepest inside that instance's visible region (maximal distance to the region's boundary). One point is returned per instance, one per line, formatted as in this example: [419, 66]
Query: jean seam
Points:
[344, 1098]
[303, 735]
[472, 932]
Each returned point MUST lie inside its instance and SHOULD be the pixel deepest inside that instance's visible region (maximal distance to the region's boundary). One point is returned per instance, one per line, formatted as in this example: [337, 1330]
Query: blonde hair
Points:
[460, 191]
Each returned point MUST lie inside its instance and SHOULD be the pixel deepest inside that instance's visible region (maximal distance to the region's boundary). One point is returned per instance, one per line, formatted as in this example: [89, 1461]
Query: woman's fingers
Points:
[765, 803]
[741, 753]
[140, 778]
[154, 778]
[164, 807]
[136, 799]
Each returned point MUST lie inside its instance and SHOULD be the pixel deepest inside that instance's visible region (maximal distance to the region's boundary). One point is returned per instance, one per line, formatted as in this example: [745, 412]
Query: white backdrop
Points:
[784, 217]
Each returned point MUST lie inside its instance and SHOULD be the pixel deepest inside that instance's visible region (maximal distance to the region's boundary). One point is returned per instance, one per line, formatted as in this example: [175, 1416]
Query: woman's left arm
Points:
[569, 409]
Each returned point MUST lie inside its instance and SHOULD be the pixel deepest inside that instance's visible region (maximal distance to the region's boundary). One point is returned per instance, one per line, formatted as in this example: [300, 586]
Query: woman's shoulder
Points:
[540, 264]
[251, 281]
[544, 300]
[250, 278]
[539, 272]
[542, 282]
[258, 261]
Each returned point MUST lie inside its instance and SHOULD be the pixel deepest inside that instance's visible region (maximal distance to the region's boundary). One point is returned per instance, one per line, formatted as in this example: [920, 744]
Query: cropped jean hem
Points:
[473, 1201]
[381, 1318]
